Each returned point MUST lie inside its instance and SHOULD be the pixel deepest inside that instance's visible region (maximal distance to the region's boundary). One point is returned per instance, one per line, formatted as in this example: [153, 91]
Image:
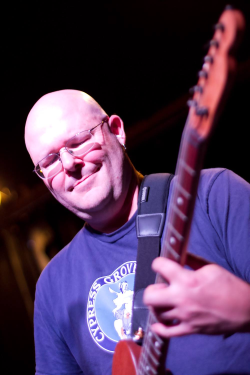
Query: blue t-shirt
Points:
[84, 296]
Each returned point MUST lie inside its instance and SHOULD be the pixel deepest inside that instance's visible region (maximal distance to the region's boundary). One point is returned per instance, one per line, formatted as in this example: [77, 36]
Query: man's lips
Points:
[84, 178]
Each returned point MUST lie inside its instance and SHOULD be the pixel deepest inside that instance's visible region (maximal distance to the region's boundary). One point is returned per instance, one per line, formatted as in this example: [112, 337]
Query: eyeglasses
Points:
[79, 145]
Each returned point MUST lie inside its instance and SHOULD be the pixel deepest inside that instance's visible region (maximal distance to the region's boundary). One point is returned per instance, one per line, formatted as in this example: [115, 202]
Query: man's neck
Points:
[127, 209]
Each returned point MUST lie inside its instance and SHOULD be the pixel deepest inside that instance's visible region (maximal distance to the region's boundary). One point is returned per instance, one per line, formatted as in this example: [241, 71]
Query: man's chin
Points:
[87, 204]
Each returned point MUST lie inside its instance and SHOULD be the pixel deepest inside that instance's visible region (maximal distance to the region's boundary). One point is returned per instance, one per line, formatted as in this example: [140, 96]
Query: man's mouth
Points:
[84, 178]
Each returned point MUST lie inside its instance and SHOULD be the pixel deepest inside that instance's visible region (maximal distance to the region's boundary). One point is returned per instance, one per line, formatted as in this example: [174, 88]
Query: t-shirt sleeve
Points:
[53, 356]
[228, 208]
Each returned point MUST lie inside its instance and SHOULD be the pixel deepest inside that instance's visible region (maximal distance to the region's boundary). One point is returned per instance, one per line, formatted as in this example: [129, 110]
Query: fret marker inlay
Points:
[172, 240]
[180, 201]
[176, 233]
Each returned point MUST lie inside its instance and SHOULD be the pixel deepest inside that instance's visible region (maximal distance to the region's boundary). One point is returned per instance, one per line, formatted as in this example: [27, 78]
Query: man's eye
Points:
[79, 140]
[78, 144]
[48, 162]
[46, 165]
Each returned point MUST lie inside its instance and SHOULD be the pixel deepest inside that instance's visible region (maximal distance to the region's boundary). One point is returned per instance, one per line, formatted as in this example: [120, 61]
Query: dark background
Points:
[137, 59]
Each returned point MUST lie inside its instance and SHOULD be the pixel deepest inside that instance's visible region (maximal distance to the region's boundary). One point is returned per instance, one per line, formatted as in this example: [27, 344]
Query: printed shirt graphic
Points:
[109, 308]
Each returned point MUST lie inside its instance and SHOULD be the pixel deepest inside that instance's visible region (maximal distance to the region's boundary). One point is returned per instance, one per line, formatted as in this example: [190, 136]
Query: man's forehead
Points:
[43, 117]
[60, 105]
[55, 114]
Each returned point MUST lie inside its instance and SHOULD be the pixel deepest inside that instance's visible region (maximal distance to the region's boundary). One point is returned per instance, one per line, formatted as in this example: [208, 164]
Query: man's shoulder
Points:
[221, 180]
[213, 173]
[220, 188]
[209, 176]
[207, 179]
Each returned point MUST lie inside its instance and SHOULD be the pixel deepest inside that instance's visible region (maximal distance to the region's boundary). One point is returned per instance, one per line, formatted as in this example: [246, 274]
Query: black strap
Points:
[152, 205]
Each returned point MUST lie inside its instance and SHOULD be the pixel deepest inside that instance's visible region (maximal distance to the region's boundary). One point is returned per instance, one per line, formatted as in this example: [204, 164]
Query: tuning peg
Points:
[201, 111]
[202, 74]
[219, 26]
[229, 7]
[196, 88]
[208, 59]
[192, 103]
[214, 43]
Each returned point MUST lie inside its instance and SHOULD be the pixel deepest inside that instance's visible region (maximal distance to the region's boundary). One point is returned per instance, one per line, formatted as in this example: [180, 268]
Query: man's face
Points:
[88, 184]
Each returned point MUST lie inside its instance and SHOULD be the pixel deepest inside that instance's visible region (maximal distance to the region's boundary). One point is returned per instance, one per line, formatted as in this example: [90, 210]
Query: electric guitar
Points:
[213, 86]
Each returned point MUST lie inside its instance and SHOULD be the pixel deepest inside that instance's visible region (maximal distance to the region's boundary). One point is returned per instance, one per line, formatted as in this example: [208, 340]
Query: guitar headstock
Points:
[217, 73]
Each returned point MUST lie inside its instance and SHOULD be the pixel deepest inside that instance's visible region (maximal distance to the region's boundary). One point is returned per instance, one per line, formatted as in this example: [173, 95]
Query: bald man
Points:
[78, 152]
[102, 189]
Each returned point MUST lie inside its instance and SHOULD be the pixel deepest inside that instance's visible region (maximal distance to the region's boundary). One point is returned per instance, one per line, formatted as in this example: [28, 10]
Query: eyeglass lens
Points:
[79, 145]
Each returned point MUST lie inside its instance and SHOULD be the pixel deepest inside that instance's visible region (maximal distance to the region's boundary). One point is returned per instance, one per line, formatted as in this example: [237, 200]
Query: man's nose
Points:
[70, 162]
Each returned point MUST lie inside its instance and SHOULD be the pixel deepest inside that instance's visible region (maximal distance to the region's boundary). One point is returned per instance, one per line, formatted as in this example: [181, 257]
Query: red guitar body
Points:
[126, 358]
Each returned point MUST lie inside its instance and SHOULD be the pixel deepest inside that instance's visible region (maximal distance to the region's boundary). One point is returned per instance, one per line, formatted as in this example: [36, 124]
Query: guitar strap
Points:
[152, 206]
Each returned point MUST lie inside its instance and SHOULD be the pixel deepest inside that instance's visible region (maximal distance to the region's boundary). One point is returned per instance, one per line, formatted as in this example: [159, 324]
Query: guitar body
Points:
[126, 358]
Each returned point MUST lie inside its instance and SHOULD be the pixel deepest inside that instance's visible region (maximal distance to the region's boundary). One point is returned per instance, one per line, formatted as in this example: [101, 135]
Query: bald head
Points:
[100, 185]
[54, 110]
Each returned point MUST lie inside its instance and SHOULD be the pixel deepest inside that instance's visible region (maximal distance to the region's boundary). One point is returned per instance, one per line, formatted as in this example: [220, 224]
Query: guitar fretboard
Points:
[175, 239]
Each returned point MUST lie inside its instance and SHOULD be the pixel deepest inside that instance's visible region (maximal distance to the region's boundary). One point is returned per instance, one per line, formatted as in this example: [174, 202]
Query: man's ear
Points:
[117, 128]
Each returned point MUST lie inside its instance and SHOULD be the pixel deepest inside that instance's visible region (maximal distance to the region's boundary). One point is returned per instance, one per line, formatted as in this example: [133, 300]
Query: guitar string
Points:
[179, 172]
[148, 339]
[165, 247]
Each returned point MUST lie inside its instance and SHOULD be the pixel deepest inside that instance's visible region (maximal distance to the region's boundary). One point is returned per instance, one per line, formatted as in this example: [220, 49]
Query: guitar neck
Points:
[175, 239]
[207, 102]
